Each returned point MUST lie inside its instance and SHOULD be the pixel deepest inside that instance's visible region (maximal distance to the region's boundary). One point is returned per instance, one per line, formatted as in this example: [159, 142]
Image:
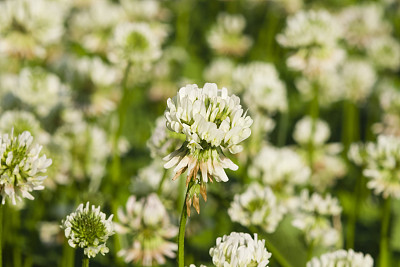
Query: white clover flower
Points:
[226, 36]
[363, 23]
[220, 71]
[41, 90]
[304, 133]
[239, 250]
[257, 206]
[201, 265]
[27, 28]
[50, 232]
[21, 121]
[89, 229]
[382, 166]
[212, 121]
[162, 141]
[345, 258]
[312, 217]
[358, 79]
[147, 223]
[385, 52]
[134, 42]
[21, 167]
[263, 90]
[280, 168]
[310, 28]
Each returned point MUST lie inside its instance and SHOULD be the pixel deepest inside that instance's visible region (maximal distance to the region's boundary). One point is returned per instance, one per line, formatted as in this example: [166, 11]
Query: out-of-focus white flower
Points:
[348, 258]
[226, 36]
[263, 90]
[162, 141]
[257, 206]
[363, 23]
[21, 121]
[304, 133]
[147, 223]
[89, 229]
[211, 121]
[239, 249]
[384, 52]
[280, 168]
[382, 161]
[358, 78]
[134, 42]
[41, 90]
[201, 265]
[27, 28]
[220, 72]
[21, 167]
[311, 216]
[310, 28]
[49, 233]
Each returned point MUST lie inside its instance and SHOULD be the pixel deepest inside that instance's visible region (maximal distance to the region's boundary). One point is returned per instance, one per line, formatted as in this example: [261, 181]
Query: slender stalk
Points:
[181, 235]
[1, 235]
[159, 190]
[351, 227]
[310, 251]
[384, 255]
[68, 256]
[283, 127]
[314, 113]
[85, 262]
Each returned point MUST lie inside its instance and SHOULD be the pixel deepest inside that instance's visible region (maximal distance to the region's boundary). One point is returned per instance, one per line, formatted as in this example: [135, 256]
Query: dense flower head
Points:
[212, 121]
[280, 168]
[310, 28]
[226, 36]
[263, 90]
[257, 206]
[385, 52]
[146, 221]
[135, 42]
[20, 121]
[312, 217]
[21, 167]
[382, 161]
[240, 250]
[304, 133]
[345, 258]
[89, 229]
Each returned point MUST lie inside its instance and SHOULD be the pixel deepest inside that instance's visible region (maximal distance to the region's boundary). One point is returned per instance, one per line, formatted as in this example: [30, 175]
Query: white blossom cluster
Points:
[382, 161]
[220, 71]
[147, 223]
[226, 36]
[345, 258]
[257, 206]
[239, 249]
[21, 167]
[28, 28]
[312, 217]
[385, 52]
[211, 121]
[89, 229]
[263, 90]
[304, 133]
[280, 168]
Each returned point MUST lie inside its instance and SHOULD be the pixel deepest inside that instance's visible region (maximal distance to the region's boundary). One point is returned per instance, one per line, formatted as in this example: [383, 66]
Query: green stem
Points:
[272, 249]
[159, 190]
[283, 127]
[85, 262]
[384, 256]
[181, 235]
[1, 235]
[310, 251]
[314, 113]
[351, 227]
[68, 256]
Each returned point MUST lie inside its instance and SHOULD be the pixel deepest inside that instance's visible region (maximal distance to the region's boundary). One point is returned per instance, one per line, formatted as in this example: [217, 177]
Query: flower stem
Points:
[181, 235]
[314, 113]
[85, 262]
[384, 256]
[159, 190]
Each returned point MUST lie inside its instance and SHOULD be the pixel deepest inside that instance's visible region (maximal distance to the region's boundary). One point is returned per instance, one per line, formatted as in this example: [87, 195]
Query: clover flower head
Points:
[382, 166]
[240, 249]
[226, 36]
[280, 168]
[304, 132]
[135, 42]
[192, 265]
[146, 221]
[263, 90]
[21, 167]
[89, 229]
[342, 257]
[310, 28]
[212, 121]
[20, 121]
[385, 52]
[257, 206]
[312, 217]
